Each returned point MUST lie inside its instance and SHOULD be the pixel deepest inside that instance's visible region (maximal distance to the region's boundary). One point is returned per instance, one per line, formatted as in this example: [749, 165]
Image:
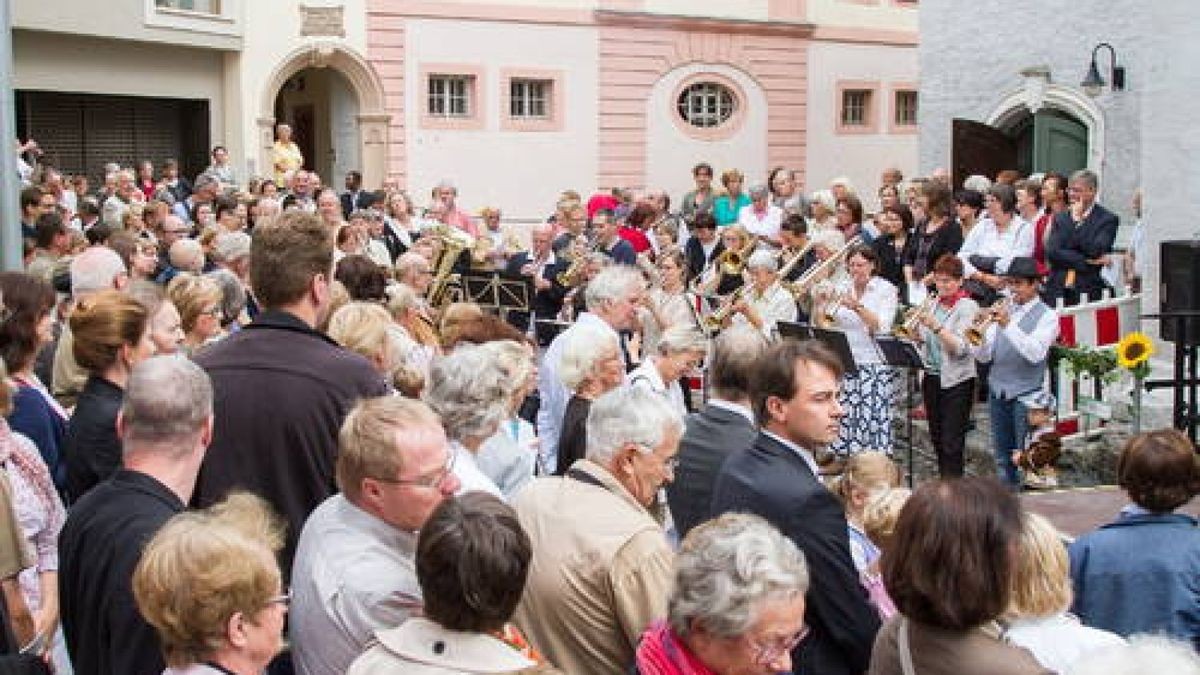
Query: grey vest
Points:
[1011, 375]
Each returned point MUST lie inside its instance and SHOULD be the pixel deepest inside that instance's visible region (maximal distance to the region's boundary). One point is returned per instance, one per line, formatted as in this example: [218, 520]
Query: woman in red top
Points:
[1054, 200]
[145, 179]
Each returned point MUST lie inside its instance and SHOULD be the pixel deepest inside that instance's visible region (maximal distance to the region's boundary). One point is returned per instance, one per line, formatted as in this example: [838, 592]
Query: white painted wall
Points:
[860, 157]
[520, 172]
[886, 15]
[671, 154]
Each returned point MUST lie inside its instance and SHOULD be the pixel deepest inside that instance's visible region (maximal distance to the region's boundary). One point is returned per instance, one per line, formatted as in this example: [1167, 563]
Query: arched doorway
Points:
[322, 109]
[334, 101]
[1033, 129]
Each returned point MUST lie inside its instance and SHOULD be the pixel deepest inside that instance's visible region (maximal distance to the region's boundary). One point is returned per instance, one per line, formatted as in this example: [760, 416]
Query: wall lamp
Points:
[1093, 82]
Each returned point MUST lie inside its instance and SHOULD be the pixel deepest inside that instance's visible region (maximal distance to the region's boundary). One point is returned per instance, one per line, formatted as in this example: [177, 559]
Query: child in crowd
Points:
[879, 522]
[1042, 444]
[864, 474]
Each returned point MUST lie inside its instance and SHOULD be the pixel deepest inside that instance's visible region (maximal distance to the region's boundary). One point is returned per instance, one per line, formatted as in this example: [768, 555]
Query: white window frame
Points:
[707, 104]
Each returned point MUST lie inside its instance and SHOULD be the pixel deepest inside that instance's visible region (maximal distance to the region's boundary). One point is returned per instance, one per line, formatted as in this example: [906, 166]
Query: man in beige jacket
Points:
[602, 567]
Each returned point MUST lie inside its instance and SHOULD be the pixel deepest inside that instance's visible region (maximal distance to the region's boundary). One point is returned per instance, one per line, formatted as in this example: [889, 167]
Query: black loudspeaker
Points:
[1179, 290]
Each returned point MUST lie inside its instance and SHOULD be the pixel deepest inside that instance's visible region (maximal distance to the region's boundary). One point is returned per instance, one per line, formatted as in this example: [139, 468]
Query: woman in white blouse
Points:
[765, 302]
[680, 351]
[669, 304]
[867, 308]
[993, 243]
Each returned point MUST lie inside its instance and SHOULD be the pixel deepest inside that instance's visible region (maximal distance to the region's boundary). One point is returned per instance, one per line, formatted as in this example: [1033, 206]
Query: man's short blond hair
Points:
[368, 443]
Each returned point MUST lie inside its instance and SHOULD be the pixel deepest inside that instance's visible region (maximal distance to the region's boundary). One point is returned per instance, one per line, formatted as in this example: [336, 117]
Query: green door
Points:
[1059, 143]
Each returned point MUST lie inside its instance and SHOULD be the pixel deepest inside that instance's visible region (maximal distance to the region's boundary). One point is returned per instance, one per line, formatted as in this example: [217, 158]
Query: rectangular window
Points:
[906, 108]
[201, 6]
[856, 106]
[450, 95]
[529, 99]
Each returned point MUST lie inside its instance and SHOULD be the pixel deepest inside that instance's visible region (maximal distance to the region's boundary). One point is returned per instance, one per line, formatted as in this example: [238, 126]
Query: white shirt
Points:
[646, 376]
[804, 454]
[880, 298]
[767, 225]
[554, 395]
[733, 407]
[1137, 246]
[1032, 346]
[773, 306]
[470, 476]
[1058, 641]
[986, 239]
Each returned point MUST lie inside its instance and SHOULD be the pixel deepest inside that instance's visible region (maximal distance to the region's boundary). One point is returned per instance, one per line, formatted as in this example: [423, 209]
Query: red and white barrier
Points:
[1094, 324]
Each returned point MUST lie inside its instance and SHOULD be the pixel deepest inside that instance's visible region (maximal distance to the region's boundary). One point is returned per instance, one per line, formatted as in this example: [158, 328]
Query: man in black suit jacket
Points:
[355, 197]
[542, 266]
[795, 394]
[726, 424]
[1081, 240]
[704, 245]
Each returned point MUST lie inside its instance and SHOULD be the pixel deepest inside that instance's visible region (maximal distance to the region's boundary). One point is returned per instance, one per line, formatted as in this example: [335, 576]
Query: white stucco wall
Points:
[521, 171]
[671, 153]
[861, 157]
[887, 15]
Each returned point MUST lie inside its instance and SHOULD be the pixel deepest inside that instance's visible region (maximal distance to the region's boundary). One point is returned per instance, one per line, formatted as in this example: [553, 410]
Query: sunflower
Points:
[1133, 350]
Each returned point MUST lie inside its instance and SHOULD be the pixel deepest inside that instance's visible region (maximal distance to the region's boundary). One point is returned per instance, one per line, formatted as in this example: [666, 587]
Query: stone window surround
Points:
[722, 131]
[871, 123]
[555, 105]
[476, 103]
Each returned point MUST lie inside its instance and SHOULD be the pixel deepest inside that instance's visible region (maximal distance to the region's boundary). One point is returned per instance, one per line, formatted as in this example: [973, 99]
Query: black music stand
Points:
[831, 337]
[903, 354]
[1186, 407]
[499, 292]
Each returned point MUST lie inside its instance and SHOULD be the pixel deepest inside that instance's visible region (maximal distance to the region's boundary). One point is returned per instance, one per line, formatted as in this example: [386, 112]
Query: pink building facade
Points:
[517, 100]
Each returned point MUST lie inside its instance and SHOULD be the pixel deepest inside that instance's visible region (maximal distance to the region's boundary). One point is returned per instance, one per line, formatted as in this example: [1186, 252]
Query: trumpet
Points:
[828, 314]
[910, 327]
[730, 263]
[984, 318]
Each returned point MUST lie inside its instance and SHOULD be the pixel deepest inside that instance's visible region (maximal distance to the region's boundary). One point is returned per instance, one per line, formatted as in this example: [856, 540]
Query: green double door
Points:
[1059, 144]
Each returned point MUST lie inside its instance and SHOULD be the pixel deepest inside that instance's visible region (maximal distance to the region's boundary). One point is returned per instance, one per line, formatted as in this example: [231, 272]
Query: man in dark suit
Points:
[726, 424]
[794, 389]
[542, 267]
[1080, 243]
[704, 245]
[355, 197]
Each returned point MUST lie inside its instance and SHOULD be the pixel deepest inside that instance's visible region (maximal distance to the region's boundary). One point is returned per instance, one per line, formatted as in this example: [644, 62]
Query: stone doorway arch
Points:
[364, 82]
[1038, 93]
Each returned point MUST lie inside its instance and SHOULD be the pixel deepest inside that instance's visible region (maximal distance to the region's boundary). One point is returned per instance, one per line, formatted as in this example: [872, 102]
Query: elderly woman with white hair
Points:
[509, 456]
[469, 391]
[680, 350]
[737, 604]
[765, 302]
[590, 366]
[822, 207]
[760, 217]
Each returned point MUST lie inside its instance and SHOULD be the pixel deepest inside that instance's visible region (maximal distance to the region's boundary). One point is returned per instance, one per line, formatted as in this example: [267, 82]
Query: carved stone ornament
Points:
[1034, 93]
[322, 21]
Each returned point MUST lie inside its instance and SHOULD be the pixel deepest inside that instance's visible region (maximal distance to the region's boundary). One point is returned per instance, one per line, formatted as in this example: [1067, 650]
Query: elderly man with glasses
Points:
[355, 564]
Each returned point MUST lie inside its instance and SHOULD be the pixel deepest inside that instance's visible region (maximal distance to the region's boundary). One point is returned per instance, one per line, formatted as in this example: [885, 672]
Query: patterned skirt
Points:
[867, 401]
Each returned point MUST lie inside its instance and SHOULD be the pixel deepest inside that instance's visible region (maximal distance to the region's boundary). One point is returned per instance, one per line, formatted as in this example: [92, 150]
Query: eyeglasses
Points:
[432, 481]
[284, 599]
[212, 311]
[769, 653]
[670, 464]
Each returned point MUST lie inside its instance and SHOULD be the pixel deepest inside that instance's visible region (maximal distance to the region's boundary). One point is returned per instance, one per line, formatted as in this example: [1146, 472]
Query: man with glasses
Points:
[1080, 243]
[602, 567]
[355, 564]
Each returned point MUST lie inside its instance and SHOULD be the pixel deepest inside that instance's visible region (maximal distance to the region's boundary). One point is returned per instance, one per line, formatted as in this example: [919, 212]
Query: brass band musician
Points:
[863, 309]
[765, 302]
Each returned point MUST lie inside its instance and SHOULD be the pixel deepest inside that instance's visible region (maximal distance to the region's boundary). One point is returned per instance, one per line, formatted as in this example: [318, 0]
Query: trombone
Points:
[731, 263]
[821, 271]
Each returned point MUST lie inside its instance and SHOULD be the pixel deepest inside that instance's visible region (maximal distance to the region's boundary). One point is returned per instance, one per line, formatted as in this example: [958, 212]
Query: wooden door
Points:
[1059, 144]
[304, 133]
[980, 149]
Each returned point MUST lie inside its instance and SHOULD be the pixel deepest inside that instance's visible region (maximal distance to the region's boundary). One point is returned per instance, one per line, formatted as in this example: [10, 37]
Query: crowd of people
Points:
[239, 414]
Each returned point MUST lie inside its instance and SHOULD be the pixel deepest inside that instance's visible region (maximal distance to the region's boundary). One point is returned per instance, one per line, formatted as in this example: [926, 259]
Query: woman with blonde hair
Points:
[365, 329]
[111, 335]
[166, 326]
[418, 340]
[198, 300]
[1041, 594]
[209, 583]
[728, 205]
